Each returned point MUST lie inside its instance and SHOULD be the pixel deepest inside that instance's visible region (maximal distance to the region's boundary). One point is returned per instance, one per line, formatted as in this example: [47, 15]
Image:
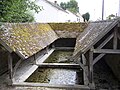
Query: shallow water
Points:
[60, 57]
[57, 76]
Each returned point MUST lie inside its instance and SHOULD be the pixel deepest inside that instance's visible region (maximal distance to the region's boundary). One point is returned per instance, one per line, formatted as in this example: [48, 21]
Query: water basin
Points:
[56, 76]
[60, 56]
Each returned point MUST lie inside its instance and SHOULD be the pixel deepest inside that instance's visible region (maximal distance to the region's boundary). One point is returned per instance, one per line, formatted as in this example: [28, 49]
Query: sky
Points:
[94, 7]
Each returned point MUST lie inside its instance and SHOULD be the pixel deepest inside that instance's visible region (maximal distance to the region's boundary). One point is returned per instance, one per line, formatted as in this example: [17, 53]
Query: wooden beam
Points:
[98, 58]
[106, 51]
[59, 65]
[29, 84]
[101, 46]
[91, 65]
[107, 29]
[44, 57]
[16, 66]
[85, 70]
[10, 68]
[105, 41]
[25, 73]
[82, 66]
[20, 54]
[85, 75]
[6, 46]
[76, 57]
[84, 59]
[115, 39]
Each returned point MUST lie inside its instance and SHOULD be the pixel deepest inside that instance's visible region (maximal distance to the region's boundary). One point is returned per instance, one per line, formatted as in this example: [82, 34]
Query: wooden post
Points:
[10, 68]
[16, 66]
[84, 60]
[91, 66]
[47, 50]
[90, 71]
[85, 70]
[35, 60]
[115, 39]
[106, 51]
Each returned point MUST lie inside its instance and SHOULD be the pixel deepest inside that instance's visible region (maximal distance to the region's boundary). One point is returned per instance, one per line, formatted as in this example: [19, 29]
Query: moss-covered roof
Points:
[92, 34]
[68, 30]
[27, 38]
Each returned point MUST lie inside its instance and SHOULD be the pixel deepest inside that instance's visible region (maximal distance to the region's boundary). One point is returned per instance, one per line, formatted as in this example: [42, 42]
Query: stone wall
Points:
[65, 42]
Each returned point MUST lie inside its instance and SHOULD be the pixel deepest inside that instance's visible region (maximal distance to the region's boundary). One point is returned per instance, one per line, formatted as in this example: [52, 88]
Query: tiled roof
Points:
[92, 34]
[27, 38]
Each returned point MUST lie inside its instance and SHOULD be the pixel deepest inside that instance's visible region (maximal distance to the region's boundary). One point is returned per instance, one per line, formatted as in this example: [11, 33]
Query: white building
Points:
[119, 9]
[74, 17]
[52, 12]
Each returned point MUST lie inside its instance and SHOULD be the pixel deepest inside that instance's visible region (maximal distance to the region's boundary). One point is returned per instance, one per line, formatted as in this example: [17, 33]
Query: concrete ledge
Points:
[26, 84]
[43, 58]
[59, 65]
[25, 75]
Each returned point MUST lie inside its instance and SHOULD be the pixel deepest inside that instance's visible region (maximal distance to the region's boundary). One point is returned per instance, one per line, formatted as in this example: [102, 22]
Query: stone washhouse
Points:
[27, 45]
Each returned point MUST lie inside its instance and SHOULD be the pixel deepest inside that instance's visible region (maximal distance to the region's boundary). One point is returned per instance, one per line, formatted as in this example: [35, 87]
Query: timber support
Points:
[92, 58]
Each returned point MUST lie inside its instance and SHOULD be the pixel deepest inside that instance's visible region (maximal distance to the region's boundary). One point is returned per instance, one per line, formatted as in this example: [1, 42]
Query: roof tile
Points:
[27, 38]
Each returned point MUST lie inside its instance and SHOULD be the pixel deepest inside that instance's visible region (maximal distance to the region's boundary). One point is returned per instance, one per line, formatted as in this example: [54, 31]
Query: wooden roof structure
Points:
[92, 34]
[93, 44]
[26, 39]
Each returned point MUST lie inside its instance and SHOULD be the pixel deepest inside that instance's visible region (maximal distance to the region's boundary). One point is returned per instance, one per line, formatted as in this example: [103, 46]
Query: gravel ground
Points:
[104, 78]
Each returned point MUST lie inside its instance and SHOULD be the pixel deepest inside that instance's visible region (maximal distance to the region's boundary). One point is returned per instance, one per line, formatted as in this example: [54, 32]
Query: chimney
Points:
[55, 2]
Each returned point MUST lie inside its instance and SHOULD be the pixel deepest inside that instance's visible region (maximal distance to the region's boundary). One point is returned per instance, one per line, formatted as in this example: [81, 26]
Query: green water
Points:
[54, 76]
[60, 57]
[57, 76]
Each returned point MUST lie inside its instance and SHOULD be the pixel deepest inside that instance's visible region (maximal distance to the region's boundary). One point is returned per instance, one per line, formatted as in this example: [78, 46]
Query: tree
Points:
[86, 16]
[72, 6]
[111, 16]
[63, 5]
[17, 10]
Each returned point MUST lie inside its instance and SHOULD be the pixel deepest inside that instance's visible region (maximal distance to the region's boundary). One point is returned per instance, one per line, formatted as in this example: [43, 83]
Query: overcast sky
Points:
[94, 7]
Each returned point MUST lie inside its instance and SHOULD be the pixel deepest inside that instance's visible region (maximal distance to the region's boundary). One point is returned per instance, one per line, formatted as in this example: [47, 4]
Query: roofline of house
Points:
[74, 13]
[56, 6]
